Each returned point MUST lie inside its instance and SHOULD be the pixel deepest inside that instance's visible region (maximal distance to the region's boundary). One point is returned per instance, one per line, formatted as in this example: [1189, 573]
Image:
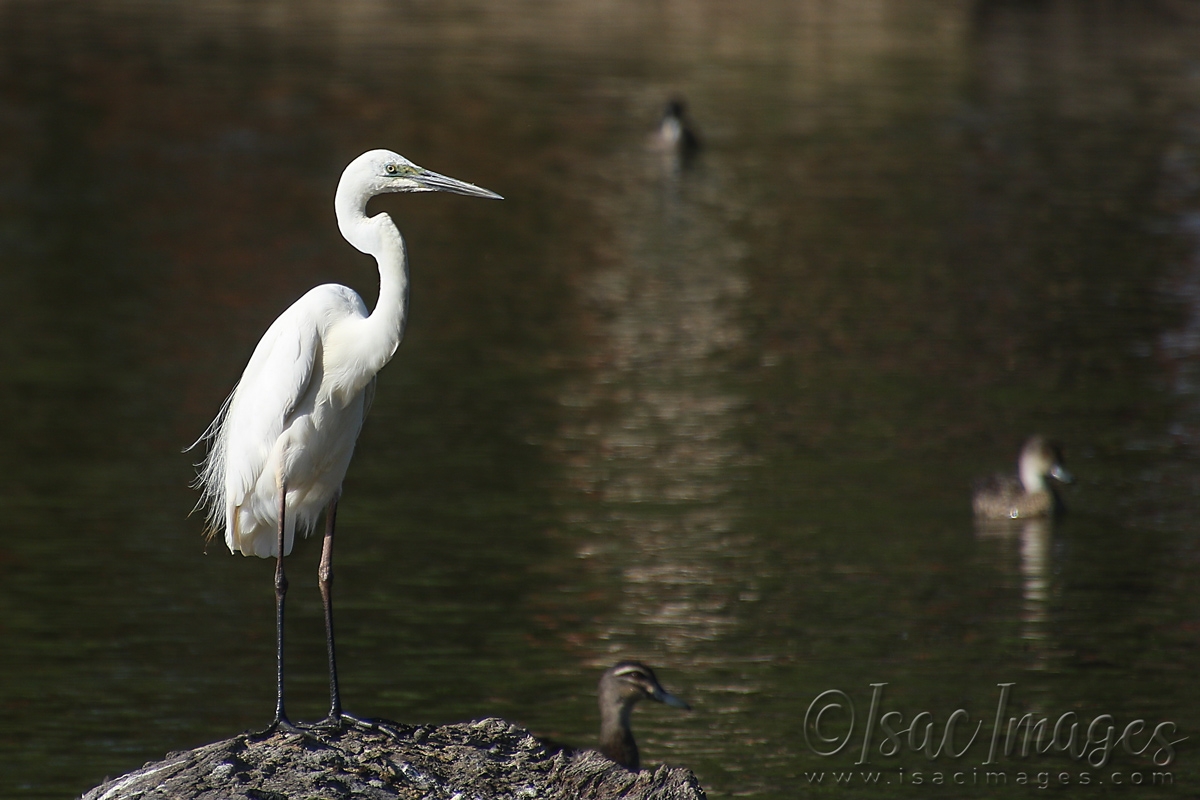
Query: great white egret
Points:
[1027, 494]
[621, 686]
[280, 446]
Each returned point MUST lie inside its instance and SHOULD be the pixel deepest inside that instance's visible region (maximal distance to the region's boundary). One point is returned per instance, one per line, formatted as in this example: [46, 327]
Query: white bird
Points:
[279, 448]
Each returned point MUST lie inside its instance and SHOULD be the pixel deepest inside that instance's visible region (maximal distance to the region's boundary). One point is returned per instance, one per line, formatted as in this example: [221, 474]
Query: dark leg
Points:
[325, 578]
[337, 718]
[281, 585]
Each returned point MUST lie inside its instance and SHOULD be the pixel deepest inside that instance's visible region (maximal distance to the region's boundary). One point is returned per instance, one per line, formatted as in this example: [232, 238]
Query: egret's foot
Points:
[285, 725]
[344, 721]
[359, 723]
[280, 724]
[334, 723]
[341, 721]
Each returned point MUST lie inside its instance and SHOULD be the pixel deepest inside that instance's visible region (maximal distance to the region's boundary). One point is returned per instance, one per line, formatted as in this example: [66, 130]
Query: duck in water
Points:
[675, 134]
[1027, 494]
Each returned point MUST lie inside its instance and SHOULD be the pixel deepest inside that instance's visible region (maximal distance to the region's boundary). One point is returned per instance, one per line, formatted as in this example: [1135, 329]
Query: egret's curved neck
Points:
[377, 337]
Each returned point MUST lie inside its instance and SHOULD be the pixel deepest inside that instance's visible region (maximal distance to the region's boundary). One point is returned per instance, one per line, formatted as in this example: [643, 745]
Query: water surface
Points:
[722, 417]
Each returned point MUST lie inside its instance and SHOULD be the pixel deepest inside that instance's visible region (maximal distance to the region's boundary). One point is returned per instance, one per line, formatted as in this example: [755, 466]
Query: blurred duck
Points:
[620, 688]
[1028, 494]
[674, 134]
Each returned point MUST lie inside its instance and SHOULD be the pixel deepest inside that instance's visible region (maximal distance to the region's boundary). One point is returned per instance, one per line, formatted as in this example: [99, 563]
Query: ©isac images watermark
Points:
[832, 726]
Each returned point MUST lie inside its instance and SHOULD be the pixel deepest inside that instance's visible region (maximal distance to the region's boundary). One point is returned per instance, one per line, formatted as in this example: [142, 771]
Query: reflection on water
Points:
[648, 430]
[648, 438]
[1180, 199]
[1031, 540]
[712, 415]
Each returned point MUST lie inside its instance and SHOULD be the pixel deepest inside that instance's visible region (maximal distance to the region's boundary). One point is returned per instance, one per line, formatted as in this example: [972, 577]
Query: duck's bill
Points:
[663, 696]
[1060, 474]
[434, 182]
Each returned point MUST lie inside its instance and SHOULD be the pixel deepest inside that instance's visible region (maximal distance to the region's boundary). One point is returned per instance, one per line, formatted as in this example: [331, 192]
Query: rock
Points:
[479, 760]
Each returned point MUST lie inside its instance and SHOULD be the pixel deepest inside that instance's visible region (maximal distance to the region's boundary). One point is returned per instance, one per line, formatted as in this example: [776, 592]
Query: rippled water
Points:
[721, 416]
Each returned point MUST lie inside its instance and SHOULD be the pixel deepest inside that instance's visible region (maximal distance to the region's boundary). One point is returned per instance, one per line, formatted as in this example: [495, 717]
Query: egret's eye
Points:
[391, 168]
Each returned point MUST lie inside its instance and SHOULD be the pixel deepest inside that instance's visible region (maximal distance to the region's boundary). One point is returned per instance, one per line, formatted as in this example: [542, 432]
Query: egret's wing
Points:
[369, 396]
[275, 381]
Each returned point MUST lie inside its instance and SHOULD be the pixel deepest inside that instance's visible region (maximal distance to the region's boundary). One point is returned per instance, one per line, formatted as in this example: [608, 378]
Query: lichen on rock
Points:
[485, 759]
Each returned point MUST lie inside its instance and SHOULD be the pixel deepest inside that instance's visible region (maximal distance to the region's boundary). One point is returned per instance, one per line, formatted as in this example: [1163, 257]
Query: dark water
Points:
[721, 418]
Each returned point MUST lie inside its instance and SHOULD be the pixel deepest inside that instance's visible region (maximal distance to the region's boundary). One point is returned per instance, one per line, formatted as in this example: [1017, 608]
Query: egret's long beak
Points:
[433, 182]
[663, 696]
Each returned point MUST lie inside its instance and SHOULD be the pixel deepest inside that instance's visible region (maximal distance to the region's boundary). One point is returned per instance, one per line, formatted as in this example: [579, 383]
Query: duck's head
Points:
[1041, 459]
[625, 683]
[675, 108]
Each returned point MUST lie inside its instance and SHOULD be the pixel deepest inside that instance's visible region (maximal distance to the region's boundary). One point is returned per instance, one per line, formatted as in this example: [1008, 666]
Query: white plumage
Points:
[293, 419]
[289, 416]
[296, 413]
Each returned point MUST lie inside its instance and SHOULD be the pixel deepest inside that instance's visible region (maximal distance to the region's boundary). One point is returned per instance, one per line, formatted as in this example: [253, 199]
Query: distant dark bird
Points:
[675, 133]
[1027, 494]
[621, 687]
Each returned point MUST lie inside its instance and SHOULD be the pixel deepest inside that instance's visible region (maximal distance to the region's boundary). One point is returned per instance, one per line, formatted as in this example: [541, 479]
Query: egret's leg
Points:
[281, 585]
[337, 718]
[325, 578]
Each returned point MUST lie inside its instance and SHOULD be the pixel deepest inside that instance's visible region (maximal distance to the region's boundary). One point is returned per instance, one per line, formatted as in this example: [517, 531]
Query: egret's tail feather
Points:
[210, 471]
[252, 537]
